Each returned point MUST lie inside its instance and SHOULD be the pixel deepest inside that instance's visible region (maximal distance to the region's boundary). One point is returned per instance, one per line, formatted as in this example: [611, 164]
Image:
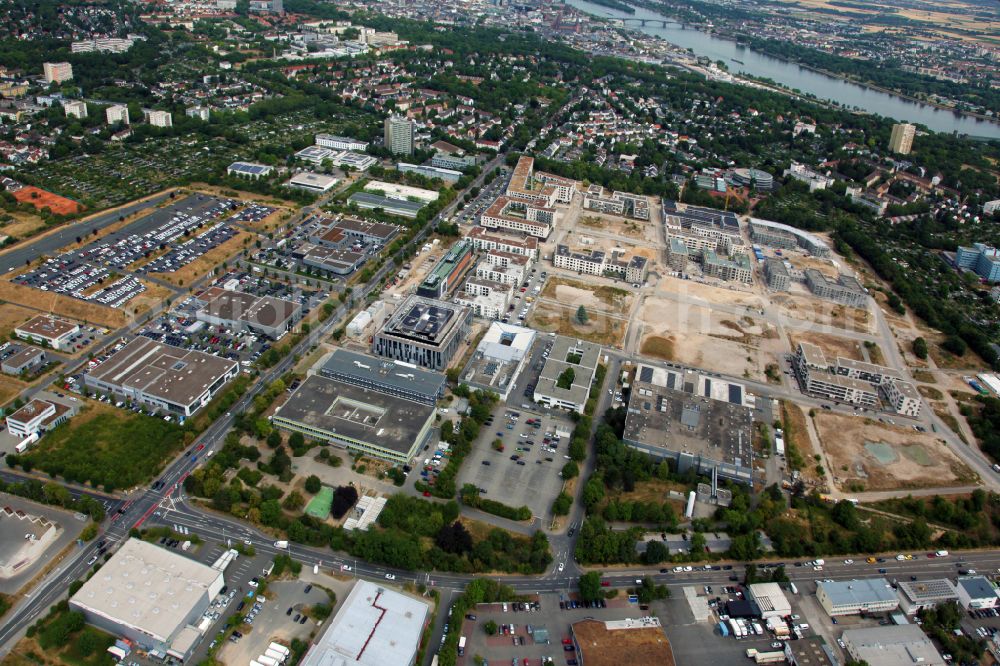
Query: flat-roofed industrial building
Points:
[615, 642]
[375, 626]
[151, 596]
[361, 420]
[850, 597]
[701, 422]
[240, 311]
[158, 375]
[47, 330]
[892, 645]
[915, 596]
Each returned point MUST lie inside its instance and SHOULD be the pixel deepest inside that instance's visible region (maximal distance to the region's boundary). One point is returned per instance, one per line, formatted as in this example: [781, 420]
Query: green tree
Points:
[570, 470]
[313, 484]
[490, 627]
[590, 586]
[920, 348]
[274, 439]
[581, 315]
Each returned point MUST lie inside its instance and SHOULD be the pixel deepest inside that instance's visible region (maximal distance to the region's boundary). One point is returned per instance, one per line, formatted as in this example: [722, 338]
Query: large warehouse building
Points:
[151, 596]
[425, 332]
[614, 642]
[699, 421]
[162, 376]
[851, 597]
[268, 316]
[893, 645]
[362, 420]
[374, 627]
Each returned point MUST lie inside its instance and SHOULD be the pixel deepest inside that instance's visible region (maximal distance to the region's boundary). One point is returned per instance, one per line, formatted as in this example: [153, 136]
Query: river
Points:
[793, 76]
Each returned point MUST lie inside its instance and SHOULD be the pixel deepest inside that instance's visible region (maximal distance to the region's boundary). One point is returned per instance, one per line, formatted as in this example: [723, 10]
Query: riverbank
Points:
[736, 37]
[720, 45]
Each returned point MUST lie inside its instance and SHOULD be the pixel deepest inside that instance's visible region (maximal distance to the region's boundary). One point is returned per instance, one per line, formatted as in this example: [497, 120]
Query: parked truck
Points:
[281, 544]
[278, 647]
[461, 646]
[274, 654]
[264, 660]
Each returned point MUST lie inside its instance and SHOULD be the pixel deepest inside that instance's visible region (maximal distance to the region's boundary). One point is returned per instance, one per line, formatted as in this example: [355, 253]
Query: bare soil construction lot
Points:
[884, 457]
[831, 345]
[806, 307]
[700, 337]
[614, 300]
[600, 328]
[616, 226]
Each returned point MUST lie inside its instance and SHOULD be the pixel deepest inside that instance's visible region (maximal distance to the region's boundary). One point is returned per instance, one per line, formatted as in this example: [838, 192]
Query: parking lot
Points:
[527, 470]
[181, 328]
[82, 273]
[469, 214]
[518, 640]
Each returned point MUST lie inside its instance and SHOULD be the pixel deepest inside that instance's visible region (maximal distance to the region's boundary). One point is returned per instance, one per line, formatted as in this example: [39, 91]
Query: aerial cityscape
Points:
[476, 332]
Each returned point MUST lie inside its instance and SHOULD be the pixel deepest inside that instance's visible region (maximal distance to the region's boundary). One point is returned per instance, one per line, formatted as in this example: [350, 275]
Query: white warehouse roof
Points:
[148, 588]
[374, 627]
[770, 599]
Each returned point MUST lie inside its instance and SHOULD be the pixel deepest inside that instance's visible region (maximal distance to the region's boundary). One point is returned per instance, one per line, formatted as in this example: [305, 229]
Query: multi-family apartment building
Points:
[482, 239]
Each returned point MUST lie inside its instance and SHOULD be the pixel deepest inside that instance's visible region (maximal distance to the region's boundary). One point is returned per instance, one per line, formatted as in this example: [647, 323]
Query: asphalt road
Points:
[48, 245]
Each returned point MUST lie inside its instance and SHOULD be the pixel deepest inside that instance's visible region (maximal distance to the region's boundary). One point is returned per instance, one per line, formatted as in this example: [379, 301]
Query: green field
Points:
[108, 450]
[319, 506]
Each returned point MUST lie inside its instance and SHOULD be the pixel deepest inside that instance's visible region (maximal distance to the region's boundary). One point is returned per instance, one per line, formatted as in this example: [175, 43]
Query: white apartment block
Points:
[202, 113]
[75, 109]
[589, 264]
[507, 213]
[903, 396]
[158, 118]
[488, 299]
[482, 239]
[503, 267]
[116, 114]
[340, 142]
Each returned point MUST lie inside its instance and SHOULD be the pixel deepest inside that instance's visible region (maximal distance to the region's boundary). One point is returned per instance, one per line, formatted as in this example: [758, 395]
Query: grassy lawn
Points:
[107, 449]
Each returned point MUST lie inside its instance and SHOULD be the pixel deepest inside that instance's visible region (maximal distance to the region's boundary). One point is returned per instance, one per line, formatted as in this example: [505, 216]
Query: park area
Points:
[106, 447]
[869, 455]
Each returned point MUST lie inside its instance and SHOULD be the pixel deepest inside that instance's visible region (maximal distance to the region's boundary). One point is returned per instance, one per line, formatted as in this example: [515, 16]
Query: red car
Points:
[605, 583]
[427, 493]
[567, 641]
[199, 447]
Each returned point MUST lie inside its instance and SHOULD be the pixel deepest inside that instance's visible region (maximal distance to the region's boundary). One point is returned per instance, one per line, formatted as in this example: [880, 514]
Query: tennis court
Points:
[319, 506]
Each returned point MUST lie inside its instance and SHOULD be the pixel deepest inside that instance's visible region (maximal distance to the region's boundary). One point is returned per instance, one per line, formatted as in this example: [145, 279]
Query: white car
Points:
[848, 561]
[390, 577]
[345, 567]
[562, 565]
[688, 568]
